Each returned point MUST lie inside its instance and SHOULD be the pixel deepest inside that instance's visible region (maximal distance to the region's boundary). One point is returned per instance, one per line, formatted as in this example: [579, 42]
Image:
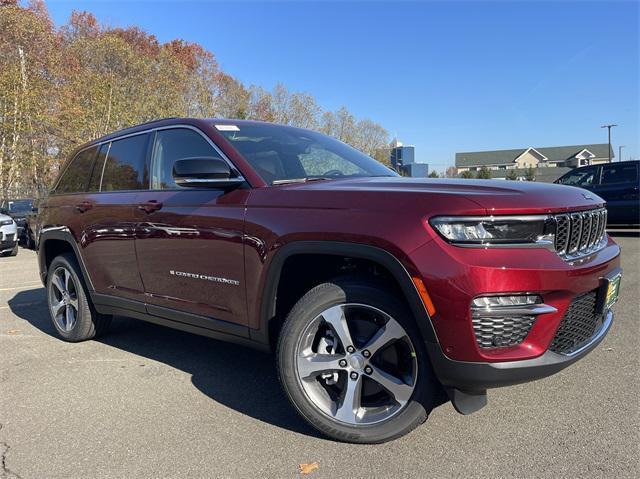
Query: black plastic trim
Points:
[61, 233]
[476, 377]
[338, 248]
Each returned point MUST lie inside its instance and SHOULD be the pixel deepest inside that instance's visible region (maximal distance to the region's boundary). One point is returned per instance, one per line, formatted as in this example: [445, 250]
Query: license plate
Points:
[613, 288]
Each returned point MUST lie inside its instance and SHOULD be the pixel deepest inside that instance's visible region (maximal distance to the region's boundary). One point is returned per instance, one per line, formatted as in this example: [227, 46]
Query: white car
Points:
[8, 236]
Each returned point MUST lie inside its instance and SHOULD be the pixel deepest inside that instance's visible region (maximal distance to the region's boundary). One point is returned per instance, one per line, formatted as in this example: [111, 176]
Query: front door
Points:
[189, 241]
[619, 185]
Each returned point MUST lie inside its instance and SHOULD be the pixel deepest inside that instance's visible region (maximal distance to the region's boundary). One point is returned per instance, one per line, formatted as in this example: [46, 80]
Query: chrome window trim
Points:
[98, 144]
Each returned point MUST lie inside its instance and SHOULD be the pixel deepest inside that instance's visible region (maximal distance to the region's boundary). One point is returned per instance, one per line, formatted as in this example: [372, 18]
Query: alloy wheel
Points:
[63, 299]
[356, 364]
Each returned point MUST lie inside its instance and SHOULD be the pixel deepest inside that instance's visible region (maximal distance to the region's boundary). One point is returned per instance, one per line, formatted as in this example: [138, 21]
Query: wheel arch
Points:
[55, 241]
[397, 271]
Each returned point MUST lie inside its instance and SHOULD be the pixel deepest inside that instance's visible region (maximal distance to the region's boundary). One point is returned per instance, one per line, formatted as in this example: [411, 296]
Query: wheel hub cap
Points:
[357, 361]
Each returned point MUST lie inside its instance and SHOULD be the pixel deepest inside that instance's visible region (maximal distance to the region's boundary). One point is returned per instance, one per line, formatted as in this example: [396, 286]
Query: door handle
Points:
[84, 206]
[150, 206]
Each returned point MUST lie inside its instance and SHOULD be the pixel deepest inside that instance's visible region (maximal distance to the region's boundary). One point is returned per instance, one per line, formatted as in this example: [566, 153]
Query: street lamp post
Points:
[608, 127]
[620, 152]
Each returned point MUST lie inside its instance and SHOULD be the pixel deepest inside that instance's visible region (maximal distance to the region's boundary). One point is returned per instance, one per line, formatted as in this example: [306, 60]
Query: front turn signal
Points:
[424, 295]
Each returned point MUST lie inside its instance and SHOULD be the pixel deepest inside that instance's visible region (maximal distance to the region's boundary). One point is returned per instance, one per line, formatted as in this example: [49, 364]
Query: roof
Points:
[552, 153]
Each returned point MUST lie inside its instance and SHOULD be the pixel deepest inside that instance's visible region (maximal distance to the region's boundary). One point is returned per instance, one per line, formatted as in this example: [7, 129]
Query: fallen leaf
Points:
[308, 468]
[13, 331]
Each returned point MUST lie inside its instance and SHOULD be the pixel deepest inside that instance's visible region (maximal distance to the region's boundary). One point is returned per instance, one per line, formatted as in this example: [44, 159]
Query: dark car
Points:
[18, 210]
[32, 226]
[381, 296]
[616, 183]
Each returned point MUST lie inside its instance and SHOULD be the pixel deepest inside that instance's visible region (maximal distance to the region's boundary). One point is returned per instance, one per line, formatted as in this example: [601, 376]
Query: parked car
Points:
[18, 210]
[379, 295]
[32, 226]
[8, 236]
[616, 183]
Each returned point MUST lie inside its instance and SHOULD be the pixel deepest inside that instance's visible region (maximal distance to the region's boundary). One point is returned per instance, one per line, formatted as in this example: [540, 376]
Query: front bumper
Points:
[8, 238]
[477, 377]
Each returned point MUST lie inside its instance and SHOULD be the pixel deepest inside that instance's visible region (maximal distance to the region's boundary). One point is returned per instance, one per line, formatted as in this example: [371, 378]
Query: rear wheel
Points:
[71, 312]
[353, 364]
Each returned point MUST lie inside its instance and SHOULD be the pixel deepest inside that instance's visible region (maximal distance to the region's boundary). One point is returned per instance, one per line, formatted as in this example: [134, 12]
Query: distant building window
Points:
[502, 167]
[473, 168]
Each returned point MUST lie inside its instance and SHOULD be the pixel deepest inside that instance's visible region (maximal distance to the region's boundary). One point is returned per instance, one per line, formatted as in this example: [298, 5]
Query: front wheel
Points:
[352, 362]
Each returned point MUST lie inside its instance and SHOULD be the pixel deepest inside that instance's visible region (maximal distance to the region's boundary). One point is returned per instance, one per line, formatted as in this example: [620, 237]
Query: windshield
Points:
[279, 153]
[20, 207]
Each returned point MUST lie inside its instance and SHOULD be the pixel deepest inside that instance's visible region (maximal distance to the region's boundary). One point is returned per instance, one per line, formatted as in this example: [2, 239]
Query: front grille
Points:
[9, 237]
[501, 331]
[579, 324]
[580, 233]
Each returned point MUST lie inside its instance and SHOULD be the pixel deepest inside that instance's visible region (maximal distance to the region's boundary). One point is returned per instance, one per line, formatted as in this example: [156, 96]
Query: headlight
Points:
[6, 222]
[495, 230]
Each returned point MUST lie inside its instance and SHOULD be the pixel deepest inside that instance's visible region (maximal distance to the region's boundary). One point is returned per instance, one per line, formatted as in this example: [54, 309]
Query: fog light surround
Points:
[501, 321]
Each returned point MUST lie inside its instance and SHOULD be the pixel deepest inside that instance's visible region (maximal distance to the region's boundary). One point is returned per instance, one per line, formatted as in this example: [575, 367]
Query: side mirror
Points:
[204, 173]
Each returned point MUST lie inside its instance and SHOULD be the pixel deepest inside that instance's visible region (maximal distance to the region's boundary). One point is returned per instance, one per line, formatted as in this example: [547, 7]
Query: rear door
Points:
[190, 240]
[108, 212]
[619, 184]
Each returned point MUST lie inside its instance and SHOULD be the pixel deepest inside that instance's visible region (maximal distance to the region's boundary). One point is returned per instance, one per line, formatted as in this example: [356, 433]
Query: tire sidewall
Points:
[84, 324]
[309, 307]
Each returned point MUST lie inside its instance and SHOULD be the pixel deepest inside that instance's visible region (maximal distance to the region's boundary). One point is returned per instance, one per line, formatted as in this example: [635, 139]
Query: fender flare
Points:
[354, 250]
[60, 233]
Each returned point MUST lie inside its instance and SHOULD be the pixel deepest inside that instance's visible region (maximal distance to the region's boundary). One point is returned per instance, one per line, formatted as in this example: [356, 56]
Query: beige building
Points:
[548, 157]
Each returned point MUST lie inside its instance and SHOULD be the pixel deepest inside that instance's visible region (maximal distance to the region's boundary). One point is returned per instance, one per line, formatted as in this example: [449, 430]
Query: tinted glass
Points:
[94, 183]
[282, 153]
[619, 173]
[172, 145]
[126, 164]
[580, 177]
[75, 178]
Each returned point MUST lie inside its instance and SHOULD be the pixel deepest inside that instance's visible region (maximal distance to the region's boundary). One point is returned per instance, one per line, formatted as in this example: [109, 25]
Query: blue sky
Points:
[444, 76]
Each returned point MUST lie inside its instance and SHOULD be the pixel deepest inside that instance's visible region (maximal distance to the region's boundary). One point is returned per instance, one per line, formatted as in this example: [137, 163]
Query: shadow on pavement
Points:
[236, 376]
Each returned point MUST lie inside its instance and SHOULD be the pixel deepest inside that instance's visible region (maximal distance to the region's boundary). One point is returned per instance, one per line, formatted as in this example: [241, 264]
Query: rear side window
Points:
[172, 145]
[94, 184]
[125, 167]
[75, 178]
[619, 173]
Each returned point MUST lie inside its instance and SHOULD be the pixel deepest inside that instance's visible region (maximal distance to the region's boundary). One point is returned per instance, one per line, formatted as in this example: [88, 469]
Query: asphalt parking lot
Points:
[147, 401]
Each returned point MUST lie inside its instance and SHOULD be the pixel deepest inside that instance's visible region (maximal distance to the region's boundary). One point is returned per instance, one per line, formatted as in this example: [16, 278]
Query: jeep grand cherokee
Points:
[379, 295]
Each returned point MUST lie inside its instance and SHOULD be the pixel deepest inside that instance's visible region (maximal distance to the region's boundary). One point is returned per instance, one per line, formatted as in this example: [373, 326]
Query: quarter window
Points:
[619, 173]
[125, 167]
[75, 178]
[176, 144]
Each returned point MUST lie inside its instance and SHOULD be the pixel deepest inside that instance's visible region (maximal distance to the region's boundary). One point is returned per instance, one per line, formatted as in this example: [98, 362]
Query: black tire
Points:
[88, 322]
[13, 252]
[347, 290]
[31, 242]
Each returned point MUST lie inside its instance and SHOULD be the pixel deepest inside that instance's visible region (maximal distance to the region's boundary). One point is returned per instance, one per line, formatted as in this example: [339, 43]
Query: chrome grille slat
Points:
[581, 233]
[578, 234]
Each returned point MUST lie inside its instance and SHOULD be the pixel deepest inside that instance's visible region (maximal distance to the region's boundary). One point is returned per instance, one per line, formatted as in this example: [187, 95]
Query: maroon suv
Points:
[379, 294]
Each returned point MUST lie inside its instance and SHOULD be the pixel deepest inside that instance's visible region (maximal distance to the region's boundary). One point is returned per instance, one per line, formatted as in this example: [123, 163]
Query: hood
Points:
[5, 217]
[496, 196]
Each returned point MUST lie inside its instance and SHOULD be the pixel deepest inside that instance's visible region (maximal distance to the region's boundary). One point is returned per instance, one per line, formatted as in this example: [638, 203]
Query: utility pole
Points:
[620, 152]
[608, 127]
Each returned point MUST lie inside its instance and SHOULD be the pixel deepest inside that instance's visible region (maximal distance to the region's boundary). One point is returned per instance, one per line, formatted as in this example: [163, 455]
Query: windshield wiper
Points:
[299, 180]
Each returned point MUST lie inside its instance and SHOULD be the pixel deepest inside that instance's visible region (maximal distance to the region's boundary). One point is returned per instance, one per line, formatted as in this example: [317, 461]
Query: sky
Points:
[446, 77]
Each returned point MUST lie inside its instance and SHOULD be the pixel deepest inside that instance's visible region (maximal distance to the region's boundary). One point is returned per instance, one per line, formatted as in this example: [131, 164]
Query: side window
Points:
[619, 173]
[125, 167]
[580, 177]
[94, 183]
[172, 145]
[75, 178]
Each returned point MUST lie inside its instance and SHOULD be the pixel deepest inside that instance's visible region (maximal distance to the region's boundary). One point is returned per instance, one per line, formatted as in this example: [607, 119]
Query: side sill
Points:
[191, 323]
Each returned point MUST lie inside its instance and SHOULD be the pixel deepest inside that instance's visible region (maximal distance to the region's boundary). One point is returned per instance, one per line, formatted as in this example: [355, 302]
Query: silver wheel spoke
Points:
[349, 410]
[67, 277]
[389, 332]
[396, 387]
[314, 364]
[74, 302]
[336, 318]
[57, 307]
[69, 318]
[57, 282]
